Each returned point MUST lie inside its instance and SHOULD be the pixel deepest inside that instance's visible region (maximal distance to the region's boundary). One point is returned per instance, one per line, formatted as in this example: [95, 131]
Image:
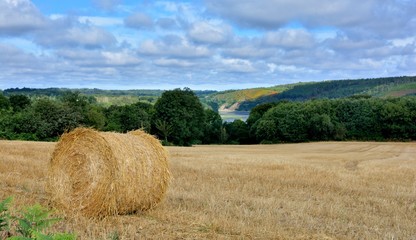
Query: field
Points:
[332, 190]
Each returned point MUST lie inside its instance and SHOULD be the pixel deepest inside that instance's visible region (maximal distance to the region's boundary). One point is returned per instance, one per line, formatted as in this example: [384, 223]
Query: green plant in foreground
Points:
[4, 214]
[31, 223]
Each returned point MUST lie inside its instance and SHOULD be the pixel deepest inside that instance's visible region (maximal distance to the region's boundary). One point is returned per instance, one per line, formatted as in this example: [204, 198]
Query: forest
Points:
[376, 87]
[179, 118]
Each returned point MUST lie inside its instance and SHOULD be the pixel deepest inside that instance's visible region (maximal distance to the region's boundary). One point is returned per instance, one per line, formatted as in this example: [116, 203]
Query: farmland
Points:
[324, 190]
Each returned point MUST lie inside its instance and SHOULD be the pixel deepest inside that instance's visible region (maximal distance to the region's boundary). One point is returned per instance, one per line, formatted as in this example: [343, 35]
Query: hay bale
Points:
[104, 173]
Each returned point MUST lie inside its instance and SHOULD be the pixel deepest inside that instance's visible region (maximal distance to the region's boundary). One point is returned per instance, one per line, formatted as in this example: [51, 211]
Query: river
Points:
[230, 116]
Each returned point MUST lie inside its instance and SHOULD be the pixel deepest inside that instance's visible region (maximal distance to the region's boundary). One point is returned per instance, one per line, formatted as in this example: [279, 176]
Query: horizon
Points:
[202, 44]
[196, 89]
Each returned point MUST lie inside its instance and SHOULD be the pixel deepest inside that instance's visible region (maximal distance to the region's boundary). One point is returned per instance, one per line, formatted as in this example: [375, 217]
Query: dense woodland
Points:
[179, 118]
[376, 87]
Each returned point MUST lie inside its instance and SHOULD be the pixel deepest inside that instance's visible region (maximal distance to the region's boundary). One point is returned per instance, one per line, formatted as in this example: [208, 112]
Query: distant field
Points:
[332, 190]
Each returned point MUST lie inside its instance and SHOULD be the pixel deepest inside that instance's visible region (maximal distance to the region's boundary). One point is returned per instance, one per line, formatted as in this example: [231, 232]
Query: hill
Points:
[377, 87]
[231, 99]
[104, 97]
[246, 99]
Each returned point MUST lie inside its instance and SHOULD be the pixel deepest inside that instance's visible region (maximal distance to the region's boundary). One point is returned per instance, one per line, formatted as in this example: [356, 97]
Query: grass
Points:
[334, 190]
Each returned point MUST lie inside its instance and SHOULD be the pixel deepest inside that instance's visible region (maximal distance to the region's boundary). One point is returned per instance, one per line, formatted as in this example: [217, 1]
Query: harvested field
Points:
[331, 190]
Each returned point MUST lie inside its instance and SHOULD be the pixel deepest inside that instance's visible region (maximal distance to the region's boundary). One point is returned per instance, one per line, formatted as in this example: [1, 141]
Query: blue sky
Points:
[205, 44]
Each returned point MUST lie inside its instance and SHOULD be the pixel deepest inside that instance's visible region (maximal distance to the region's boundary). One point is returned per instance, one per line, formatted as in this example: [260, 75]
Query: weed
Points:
[31, 223]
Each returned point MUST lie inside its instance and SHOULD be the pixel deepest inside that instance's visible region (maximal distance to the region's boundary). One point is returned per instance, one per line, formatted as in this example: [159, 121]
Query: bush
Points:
[30, 223]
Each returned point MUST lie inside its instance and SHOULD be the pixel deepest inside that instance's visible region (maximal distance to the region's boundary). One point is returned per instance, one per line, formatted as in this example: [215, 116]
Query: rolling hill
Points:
[246, 99]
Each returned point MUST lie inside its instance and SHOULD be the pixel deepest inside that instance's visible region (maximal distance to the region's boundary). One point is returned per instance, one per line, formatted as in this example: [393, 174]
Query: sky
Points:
[202, 44]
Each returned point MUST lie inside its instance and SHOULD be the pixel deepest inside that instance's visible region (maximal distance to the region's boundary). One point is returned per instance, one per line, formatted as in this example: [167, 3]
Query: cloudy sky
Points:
[202, 44]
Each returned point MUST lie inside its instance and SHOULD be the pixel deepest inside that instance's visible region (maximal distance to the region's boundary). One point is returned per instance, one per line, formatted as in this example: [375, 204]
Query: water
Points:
[230, 116]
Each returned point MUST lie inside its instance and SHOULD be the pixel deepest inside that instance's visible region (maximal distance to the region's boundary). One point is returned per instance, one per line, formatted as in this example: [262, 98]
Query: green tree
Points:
[75, 100]
[52, 118]
[321, 127]
[95, 117]
[19, 102]
[127, 118]
[255, 115]
[258, 111]
[184, 112]
[4, 102]
[266, 130]
[165, 130]
[238, 132]
[396, 120]
[360, 118]
[212, 129]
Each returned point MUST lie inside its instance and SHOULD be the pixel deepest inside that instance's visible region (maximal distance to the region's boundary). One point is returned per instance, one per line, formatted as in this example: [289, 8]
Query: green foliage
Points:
[184, 112]
[257, 112]
[321, 127]
[34, 220]
[4, 102]
[52, 118]
[94, 116]
[32, 223]
[379, 87]
[213, 127]
[165, 129]
[4, 214]
[19, 102]
[342, 119]
[238, 132]
[129, 117]
[178, 116]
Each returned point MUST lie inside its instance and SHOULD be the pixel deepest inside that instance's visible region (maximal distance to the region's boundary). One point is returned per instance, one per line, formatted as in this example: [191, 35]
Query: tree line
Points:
[359, 118]
[335, 89]
[179, 118]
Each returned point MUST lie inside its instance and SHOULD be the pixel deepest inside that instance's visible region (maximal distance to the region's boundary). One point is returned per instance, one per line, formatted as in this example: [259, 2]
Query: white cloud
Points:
[210, 32]
[107, 4]
[271, 14]
[19, 17]
[272, 67]
[237, 65]
[123, 58]
[166, 62]
[386, 18]
[247, 51]
[64, 33]
[93, 58]
[101, 21]
[167, 23]
[174, 46]
[222, 43]
[139, 21]
[289, 38]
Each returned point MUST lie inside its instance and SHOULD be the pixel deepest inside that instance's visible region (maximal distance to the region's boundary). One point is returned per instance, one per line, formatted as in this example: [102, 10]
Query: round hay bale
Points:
[105, 173]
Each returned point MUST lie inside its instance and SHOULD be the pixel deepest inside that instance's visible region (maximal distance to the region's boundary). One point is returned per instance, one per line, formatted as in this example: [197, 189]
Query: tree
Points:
[95, 117]
[238, 132]
[52, 118]
[19, 102]
[321, 127]
[127, 118]
[165, 129]
[212, 129]
[255, 115]
[184, 112]
[4, 102]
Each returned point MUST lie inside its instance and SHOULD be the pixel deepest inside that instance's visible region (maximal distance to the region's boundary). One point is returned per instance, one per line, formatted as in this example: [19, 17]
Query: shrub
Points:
[30, 223]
